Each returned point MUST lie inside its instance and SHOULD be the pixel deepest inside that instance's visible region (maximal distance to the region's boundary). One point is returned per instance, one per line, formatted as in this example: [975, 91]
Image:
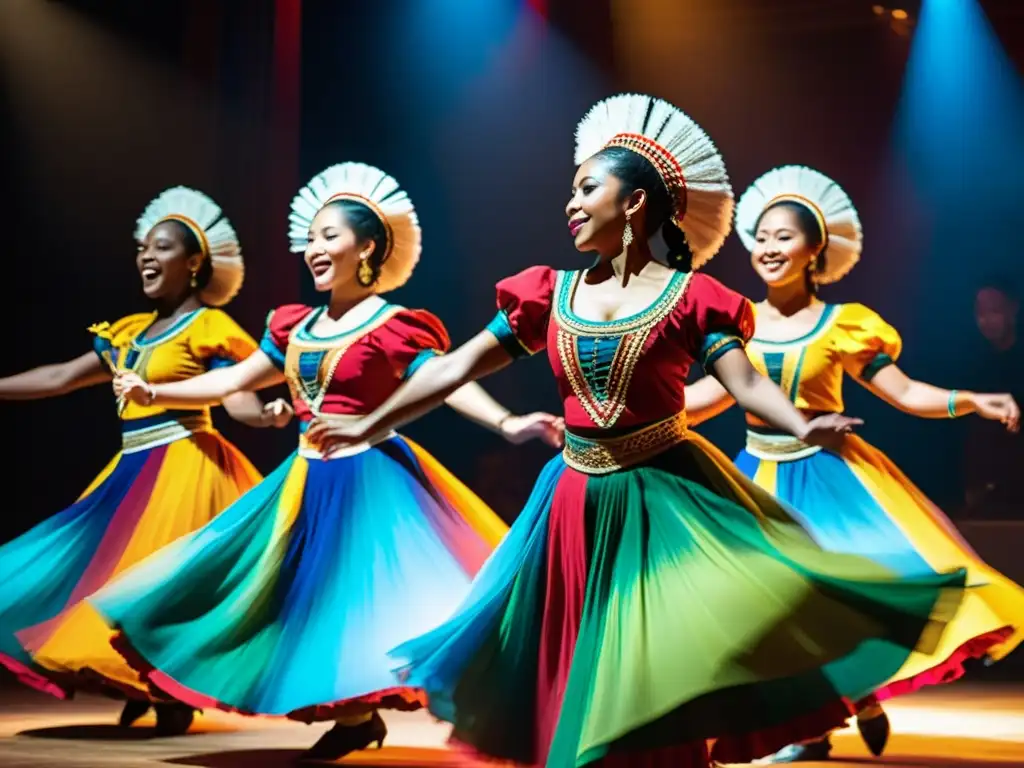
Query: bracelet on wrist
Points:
[951, 403]
[503, 419]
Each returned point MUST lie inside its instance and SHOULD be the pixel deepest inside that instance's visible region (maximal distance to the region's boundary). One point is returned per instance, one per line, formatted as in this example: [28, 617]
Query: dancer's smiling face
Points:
[612, 184]
[787, 240]
[167, 258]
[335, 248]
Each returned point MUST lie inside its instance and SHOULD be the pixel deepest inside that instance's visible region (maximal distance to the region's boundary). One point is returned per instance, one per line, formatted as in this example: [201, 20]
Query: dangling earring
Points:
[812, 275]
[365, 273]
[193, 281]
[627, 234]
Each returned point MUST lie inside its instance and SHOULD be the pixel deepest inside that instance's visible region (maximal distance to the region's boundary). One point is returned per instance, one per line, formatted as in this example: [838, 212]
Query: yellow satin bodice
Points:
[196, 343]
[849, 338]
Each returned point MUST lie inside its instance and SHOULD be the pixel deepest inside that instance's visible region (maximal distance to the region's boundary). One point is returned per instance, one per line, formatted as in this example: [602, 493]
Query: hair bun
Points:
[679, 254]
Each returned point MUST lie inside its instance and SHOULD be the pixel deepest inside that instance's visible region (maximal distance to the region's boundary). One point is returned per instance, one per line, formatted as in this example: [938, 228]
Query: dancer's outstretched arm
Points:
[484, 354]
[473, 401]
[425, 390]
[255, 372]
[706, 399]
[56, 379]
[763, 398]
[930, 402]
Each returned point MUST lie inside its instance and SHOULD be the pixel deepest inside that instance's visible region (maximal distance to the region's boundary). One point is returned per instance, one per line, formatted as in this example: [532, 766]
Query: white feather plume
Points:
[225, 251]
[373, 184]
[709, 197]
[845, 235]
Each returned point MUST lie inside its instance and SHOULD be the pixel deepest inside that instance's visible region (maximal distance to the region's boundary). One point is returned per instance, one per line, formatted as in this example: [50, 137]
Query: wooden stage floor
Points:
[961, 726]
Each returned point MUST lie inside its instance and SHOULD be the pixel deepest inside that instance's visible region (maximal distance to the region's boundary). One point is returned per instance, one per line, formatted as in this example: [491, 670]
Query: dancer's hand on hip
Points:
[327, 434]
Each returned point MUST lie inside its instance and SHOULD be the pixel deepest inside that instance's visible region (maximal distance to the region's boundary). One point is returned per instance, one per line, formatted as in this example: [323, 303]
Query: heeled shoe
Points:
[173, 719]
[802, 753]
[342, 739]
[875, 733]
[133, 710]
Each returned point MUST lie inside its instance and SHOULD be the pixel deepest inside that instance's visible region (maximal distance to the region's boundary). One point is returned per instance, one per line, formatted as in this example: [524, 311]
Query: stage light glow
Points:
[899, 14]
[878, 10]
[961, 114]
[957, 145]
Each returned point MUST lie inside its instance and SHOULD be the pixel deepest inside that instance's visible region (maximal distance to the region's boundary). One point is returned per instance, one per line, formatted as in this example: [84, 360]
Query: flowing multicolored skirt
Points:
[638, 611]
[174, 475]
[859, 502]
[289, 601]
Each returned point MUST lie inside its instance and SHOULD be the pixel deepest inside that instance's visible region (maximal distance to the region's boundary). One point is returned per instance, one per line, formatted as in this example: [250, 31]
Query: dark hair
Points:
[367, 226]
[192, 246]
[1005, 284]
[811, 229]
[636, 172]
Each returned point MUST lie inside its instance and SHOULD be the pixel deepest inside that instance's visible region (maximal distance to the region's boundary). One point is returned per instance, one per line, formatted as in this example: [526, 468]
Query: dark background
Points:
[472, 106]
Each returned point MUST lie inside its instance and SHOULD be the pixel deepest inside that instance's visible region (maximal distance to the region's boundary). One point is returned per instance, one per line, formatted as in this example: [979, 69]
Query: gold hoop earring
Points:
[365, 274]
[627, 234]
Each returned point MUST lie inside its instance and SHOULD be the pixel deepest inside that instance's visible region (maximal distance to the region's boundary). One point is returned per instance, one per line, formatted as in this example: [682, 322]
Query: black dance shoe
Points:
[173, 719]
[133, 710]
[875, 732]
[342, 739]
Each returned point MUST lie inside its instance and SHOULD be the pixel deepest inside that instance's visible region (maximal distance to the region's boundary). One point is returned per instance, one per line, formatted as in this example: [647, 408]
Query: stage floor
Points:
[962, 726]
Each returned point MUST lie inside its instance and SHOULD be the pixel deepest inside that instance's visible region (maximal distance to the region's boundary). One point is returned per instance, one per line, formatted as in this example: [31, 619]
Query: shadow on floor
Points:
[92, 733]
[244, 758]
[392, 757]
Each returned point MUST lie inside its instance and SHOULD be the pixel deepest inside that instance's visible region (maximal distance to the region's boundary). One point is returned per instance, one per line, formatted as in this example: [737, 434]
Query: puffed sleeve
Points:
[107, 338]
[867, 343]
[219, 341]
[280, 323]
[412, 337]
[524, 308]
[719, 319]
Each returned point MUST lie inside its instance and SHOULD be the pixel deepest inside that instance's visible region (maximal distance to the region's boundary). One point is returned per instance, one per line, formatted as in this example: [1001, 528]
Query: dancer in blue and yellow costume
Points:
[173, 475]
[802, 231]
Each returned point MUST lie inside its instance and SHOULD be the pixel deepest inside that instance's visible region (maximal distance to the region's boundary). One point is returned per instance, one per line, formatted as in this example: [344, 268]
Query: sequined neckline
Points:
[565, 290]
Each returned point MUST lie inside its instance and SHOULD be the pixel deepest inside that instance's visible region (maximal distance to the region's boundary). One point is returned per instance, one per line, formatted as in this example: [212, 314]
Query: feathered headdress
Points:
[216, 236]
[685, 157]
[381, 194]
[831, 206]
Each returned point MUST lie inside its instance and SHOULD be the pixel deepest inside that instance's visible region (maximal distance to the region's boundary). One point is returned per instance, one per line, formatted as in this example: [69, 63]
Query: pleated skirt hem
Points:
[670, 614]
[133, 508]
[286, 604]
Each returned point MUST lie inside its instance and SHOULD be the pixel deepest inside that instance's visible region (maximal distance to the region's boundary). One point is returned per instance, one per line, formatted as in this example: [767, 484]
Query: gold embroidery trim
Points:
[173, 429]
[634, 333]
[721, 343]
[649, 318]
[336, 348]
[599, 456]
